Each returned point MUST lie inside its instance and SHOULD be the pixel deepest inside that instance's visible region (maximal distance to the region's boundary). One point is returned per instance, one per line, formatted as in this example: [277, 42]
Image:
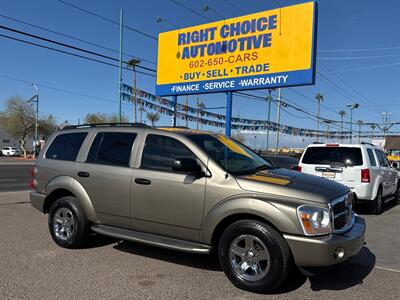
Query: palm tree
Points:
[359, 123]
[200, 107]
[319, 97]
[141, 110]
[153, 118]
[132, 64]
[373, 126]
[341, 113]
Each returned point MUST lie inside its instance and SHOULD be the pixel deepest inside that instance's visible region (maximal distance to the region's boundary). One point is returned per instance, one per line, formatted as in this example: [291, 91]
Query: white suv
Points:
[362, 167]
[10, 151]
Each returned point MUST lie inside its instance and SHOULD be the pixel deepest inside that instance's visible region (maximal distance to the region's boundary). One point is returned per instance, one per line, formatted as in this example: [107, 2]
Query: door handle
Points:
[83, 174]
[142, 181]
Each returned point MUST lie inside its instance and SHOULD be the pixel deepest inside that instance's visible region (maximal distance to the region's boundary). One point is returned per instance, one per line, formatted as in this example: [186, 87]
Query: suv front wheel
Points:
[254, 256]
[68, 224]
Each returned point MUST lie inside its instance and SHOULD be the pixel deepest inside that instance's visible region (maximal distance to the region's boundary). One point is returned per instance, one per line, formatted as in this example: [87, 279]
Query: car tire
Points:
[254, 256]
[397, 195]
[68, 223]
[378, 202]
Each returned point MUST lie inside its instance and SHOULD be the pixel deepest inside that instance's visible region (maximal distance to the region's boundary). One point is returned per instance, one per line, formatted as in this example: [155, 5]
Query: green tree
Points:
[153, 118]
[99, 118]
[95, 118]
[319, 97]
[19, 119]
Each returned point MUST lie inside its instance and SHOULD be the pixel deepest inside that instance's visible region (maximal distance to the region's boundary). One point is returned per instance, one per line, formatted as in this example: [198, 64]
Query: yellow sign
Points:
[273, 48]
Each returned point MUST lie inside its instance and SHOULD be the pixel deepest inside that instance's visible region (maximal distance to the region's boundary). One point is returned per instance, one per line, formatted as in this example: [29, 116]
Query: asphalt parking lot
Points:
[32, 266]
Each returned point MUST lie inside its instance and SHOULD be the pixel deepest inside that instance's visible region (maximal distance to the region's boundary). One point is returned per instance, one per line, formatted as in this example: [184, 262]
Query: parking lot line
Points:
[387, 269]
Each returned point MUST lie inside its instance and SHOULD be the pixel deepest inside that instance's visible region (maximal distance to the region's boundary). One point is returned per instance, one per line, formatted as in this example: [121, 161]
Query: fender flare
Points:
[260, 208]
[70, 184]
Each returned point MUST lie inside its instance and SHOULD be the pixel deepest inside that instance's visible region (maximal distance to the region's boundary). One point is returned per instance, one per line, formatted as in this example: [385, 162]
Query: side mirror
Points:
[188, 165]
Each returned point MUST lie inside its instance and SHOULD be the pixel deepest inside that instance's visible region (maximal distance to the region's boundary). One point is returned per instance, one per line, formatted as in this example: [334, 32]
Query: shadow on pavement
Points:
[338, 277]
[344, 275]
[97, 241]
[366, 208]
[200, 261]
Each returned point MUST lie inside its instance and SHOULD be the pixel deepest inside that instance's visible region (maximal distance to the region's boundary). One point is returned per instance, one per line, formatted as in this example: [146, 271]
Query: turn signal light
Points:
[365, 175]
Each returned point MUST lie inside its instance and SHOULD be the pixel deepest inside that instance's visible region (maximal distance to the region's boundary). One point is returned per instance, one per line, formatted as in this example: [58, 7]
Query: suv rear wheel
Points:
[378, 202]
[68, 224]
[254, 256]
[397, 195]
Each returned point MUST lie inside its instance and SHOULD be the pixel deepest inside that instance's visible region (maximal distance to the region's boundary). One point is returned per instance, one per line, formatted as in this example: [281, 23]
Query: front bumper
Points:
[320, 251]
[37, 200]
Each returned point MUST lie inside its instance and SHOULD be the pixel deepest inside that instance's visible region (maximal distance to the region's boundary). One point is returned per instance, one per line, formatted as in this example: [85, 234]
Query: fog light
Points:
[338, 253]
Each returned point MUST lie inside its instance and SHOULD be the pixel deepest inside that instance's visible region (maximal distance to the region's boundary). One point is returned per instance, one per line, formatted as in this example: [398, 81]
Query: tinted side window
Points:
[160, 152]
[66, 146]
[111, 148]
[381, 158]
[371, 157]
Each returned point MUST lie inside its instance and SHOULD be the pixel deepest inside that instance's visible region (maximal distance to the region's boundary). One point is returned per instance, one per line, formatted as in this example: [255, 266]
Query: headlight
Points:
[314, 220]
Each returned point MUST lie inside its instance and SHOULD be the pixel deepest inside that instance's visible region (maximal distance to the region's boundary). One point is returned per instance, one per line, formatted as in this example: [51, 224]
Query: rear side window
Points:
[160, 152]
[381, 158]
[371, 157]
[66, 146]
[111, 148]
[329, 155]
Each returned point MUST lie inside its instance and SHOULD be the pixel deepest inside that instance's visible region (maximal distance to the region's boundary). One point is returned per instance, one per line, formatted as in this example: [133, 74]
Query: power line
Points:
[108, 20]
[191, 10]
[69, 46]
[362, 49]
[346, 84]
[71, 54]
[365, 68]
[358, 57]
[234, 6]
[75, 38]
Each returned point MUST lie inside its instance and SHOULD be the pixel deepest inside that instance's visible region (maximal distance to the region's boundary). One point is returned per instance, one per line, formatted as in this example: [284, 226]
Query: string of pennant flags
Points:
[183, 112]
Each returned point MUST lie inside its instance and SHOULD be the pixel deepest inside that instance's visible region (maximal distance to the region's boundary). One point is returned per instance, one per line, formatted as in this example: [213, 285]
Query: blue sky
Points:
[369, 77]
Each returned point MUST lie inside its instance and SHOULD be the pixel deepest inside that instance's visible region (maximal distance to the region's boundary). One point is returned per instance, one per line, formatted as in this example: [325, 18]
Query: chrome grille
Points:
[342, 215]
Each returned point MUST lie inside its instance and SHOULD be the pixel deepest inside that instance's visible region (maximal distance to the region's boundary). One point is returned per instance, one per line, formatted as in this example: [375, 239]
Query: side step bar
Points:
[151, 239]
[390, 198]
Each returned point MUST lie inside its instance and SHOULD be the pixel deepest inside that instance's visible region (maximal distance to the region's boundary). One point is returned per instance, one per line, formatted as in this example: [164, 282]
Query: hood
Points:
[292, 184]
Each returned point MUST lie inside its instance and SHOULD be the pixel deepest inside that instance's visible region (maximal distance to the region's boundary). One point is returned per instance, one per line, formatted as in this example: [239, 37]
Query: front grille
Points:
[342, 215]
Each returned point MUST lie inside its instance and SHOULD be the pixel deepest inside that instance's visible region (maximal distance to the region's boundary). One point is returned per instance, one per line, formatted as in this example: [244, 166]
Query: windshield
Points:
[232, 156]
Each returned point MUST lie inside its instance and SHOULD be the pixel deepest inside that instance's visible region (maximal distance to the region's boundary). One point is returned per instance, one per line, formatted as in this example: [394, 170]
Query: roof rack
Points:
[366, 143]
[135, 125]
[178, 127]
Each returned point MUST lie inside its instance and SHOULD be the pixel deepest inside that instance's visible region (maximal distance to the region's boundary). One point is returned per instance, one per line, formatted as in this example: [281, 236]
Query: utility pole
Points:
[386, 121]
[278, 118]
[269, 100]
[36, 118]
[359, 123]
[341, 113]
[352, 107]
[327, 122]
[121, 25]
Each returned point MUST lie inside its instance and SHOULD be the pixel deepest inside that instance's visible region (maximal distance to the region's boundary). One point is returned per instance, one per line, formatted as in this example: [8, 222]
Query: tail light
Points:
[298, 168]
[365, 175]
[33, 182]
